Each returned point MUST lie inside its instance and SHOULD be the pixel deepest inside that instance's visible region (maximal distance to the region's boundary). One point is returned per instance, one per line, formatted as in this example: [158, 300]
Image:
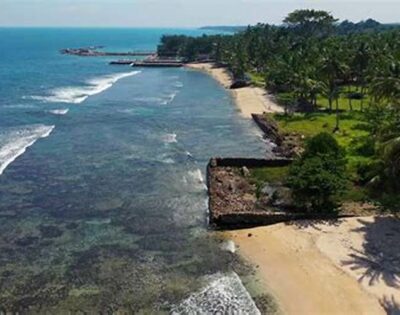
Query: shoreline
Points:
[249, 100]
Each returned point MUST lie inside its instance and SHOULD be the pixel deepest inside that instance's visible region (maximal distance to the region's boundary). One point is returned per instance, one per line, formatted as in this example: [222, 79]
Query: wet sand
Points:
[250, 100]
[349, 266]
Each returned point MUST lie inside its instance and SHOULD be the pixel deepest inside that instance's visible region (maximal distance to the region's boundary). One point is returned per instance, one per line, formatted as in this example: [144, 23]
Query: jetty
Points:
[94, 52]
[123, 62]
[157, 63]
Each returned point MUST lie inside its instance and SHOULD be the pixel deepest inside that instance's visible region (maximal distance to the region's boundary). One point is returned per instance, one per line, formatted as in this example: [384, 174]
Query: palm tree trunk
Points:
[337, 127]
[330, 104]
[362, 99]
[350, 100]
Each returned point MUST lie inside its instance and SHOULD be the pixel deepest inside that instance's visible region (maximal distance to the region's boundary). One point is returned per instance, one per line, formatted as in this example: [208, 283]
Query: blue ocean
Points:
[103, 203]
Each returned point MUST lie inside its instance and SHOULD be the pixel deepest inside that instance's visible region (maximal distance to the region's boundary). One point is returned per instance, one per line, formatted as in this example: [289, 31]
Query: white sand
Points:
[348, 267]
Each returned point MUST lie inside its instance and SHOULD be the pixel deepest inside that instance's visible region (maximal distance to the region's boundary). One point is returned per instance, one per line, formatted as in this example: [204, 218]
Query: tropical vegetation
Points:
[342, 78]
[319, 175]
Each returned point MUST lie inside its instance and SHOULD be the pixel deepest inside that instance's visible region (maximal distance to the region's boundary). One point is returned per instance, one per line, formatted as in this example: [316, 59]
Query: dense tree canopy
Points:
[310, 22]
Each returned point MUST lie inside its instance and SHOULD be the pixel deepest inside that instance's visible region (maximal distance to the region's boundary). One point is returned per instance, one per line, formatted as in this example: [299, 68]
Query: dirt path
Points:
[303, 280]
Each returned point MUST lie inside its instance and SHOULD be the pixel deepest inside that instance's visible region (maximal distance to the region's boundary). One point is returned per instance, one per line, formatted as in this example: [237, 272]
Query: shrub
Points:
[366, 171]
[364, 146]
[323, 144]
[319, 175]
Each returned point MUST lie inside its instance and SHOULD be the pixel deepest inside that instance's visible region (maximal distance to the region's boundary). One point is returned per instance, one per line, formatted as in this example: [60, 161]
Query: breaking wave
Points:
[195, 179]
[77, 95]
[15, 142]
[225, 294]
[59, 111]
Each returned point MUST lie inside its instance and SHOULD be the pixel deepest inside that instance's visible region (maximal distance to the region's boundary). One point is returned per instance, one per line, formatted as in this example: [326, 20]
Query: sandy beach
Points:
[250, 100]
[349, 266]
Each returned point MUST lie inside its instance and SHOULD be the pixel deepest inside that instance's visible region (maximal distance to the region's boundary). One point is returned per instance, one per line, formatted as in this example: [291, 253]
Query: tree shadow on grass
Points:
[380, 258]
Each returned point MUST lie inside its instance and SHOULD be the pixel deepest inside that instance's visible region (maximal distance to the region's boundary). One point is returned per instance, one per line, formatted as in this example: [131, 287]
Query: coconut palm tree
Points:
[332, 69]
[385, 85]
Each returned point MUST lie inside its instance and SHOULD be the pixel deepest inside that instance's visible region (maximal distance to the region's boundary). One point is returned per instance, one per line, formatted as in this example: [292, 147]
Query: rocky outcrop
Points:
[275, 195]
[237, 84]
[269, 127]
[248, 162]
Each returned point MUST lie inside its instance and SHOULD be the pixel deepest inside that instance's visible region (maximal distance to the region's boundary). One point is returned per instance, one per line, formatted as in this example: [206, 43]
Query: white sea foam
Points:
[225, 294]
[195, 178]
[15, 142]
[126, 110]
[169, 98]
[169, 138]
[22, 106]
[77, 95]
[178, 84]
[59, 111]
[229, 246]
[168, 161]
[149, 99]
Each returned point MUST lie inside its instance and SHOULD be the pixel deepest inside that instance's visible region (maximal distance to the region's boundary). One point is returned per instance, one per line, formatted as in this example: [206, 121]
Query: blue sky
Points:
[181, 13]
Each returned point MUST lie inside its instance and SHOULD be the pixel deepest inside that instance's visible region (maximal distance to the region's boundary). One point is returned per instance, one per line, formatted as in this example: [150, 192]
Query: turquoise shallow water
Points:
[103, 204]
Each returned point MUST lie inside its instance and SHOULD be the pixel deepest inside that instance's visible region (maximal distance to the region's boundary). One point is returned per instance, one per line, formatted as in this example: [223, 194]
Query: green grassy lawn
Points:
[273, 175]
[351, 135]
[352, 130]
[257, 79]
[343, 102]
[269, 174]
[351, 125]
